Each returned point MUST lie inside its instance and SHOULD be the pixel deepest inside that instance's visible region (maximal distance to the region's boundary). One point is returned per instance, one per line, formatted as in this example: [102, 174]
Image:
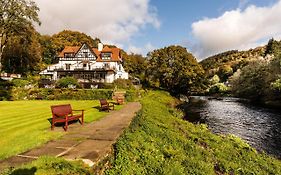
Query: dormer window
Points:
[106, 56]
[68, 55]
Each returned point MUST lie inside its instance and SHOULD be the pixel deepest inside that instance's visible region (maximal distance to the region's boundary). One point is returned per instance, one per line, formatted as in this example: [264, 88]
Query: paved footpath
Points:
[90, 143]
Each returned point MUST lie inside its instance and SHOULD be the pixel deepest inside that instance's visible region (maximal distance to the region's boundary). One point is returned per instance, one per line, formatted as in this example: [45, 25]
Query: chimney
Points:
[100, 47]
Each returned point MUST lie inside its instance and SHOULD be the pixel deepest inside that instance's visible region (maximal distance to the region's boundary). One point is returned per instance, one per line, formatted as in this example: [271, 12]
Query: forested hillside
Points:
[254, 74]
[226, 63]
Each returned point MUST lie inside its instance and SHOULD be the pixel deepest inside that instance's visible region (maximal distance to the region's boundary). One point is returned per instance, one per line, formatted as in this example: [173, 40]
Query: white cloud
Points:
[237, 29]
[141, 50]
[110, 20]
[134, 49]
[243, 3]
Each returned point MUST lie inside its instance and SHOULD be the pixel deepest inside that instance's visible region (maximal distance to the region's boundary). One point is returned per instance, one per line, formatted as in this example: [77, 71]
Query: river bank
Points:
[258, 125]
[160, 142]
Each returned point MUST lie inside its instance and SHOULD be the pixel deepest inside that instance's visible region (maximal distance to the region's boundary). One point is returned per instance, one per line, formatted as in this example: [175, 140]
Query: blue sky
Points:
[204, 27]
[176, 18]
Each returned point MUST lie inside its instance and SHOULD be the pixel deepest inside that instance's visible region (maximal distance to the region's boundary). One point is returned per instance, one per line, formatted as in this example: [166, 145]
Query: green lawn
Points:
[24, 124]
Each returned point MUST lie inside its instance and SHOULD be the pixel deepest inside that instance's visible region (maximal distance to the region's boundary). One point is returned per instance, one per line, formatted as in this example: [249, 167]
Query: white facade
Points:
[88, 64]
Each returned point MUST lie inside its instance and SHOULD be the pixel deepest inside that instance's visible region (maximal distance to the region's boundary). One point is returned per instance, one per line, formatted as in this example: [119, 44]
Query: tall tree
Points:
[134, 64]
[16, 16]
[72, 38]
[174, 69]
[273, 47]
[48, 49]
[23, 53]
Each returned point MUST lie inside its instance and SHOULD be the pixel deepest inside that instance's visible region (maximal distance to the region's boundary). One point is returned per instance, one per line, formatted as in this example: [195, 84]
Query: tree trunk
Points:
[1, 60]
[3, 42]
[1, 53]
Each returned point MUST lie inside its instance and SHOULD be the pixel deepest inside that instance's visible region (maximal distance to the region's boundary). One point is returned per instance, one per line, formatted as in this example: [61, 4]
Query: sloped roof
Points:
[106, 49]
[115, 53]
[115, 56]
[69, 49]
[97, 53]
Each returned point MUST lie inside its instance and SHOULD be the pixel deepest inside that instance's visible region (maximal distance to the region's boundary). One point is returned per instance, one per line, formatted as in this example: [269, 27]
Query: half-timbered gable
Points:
[102, 64]
[85, 53]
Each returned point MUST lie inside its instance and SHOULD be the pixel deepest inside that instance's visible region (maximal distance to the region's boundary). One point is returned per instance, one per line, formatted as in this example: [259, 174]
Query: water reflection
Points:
[260, 127]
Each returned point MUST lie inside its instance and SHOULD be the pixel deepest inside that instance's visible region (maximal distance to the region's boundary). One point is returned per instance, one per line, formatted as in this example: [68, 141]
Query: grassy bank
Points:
[50, 166]
[157, 142]
[25, 124]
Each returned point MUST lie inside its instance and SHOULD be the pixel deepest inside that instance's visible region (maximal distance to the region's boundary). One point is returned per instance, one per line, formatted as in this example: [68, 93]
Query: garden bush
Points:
[20, 82]
[60, 94]
[123, 84]
[66, 82]
[5, 90]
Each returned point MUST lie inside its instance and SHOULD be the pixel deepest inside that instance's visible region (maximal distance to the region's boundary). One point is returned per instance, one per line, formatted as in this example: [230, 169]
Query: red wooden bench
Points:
[64, 114]
[106, 105]
[119, 96]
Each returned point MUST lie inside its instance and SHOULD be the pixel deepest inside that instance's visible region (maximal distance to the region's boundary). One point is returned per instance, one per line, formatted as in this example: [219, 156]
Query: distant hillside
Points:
[233, 60]
[227, 63]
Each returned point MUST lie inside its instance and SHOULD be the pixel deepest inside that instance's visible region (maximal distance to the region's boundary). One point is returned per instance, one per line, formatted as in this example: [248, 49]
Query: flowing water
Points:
[259, 126]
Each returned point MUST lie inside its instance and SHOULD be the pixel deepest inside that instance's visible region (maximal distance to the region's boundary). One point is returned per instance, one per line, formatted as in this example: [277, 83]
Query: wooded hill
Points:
[227, 63]
[230, 61]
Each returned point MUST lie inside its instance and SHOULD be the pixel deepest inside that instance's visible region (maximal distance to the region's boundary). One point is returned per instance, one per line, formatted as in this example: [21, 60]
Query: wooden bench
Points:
[106, 105]
[64, 114]
[119, 97]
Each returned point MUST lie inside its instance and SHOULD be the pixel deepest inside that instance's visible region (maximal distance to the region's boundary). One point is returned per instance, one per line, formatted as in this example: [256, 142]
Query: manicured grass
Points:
[158, 142]
[25, 124]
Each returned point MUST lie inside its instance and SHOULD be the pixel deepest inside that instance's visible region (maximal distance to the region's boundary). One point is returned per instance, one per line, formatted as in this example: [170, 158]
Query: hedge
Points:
[19, 93]
[60, 94]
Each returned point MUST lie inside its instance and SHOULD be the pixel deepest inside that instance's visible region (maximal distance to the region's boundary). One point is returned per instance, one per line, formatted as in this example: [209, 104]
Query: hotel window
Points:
[106, 56]
[85, 54]
[67, 66]
[106, 65]
[68, 55]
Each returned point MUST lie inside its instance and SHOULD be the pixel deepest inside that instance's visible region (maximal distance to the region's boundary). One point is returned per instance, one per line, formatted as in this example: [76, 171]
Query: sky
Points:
[204, 27]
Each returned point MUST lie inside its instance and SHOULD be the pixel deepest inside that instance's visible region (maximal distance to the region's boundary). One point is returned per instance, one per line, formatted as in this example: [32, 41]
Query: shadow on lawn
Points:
[24, 171]
[97, 107]
[62, 123]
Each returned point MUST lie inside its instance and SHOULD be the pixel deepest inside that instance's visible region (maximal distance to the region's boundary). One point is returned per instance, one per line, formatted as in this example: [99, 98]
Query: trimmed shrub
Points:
[66, 82]
[20, 82]
[105, 86]
[60, 94]
[123, 84]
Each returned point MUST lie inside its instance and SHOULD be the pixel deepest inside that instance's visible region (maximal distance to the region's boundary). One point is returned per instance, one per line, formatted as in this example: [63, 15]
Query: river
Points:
[259, 126]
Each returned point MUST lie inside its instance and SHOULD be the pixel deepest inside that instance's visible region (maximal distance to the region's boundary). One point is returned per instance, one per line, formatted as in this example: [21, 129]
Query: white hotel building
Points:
[102, 64]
